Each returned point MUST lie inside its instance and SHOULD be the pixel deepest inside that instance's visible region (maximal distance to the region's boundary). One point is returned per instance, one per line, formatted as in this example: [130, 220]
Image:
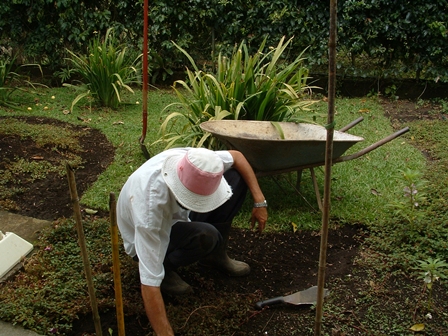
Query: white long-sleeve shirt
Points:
[146, 211]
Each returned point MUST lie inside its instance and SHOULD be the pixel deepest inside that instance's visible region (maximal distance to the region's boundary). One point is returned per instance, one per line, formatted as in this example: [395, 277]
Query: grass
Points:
[367, 183]
[361, 188]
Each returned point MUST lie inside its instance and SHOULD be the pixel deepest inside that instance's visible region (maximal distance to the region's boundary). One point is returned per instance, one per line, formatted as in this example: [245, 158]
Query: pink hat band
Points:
[199, 181]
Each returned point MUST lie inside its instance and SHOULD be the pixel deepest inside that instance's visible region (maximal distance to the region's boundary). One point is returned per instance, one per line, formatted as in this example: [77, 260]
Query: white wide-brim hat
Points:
[196, 179]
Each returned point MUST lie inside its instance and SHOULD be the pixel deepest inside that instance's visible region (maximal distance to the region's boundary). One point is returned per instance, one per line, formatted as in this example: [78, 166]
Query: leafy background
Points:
[396, 37]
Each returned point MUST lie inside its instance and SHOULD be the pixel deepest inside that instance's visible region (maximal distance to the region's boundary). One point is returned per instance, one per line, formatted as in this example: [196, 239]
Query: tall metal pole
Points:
[328, 164]
[145, 80]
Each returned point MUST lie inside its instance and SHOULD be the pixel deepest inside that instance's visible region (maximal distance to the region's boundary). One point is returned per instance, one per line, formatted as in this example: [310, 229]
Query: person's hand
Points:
[260, 216]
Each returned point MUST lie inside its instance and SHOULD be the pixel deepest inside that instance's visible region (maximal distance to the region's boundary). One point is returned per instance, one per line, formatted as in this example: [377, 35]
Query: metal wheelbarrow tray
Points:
[301, 146]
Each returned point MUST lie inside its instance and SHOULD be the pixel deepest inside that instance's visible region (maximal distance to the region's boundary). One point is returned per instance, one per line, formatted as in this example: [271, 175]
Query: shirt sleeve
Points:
[226, 158]
[152, 233]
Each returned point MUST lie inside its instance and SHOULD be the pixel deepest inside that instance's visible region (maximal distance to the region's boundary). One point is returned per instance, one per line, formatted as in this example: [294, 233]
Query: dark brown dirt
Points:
[402, 111]
[281, 264]
[49, 198]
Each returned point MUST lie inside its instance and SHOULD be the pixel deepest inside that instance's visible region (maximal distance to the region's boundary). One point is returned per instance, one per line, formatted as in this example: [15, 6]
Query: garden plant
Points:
[106, 70]
[6, 77]
[10, 79]
[432, 270]
[378, 39]
[262, 86]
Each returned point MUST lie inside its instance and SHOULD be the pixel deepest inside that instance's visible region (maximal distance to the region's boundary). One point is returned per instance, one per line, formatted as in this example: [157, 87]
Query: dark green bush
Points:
[41, 30]
[412, 35]
[386, 37]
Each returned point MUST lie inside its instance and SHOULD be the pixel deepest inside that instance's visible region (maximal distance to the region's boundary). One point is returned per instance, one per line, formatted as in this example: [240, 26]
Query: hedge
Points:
[375, 37]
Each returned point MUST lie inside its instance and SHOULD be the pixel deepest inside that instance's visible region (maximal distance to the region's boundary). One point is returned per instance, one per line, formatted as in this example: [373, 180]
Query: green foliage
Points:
[431, 270]
[401, 244]
[51, 291]
[397, 37]
[11, 80]
[251, 87]
[106, 70]
[42, 30]
[6, 77]
[381, 38]
[414, 196]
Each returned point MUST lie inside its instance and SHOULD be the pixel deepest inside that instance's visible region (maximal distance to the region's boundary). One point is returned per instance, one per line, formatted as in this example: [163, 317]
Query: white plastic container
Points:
[12, 250]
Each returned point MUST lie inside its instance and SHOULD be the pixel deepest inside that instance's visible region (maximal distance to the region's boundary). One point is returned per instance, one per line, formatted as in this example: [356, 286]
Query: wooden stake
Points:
[328, 164]
[82, 245]
[116, 264]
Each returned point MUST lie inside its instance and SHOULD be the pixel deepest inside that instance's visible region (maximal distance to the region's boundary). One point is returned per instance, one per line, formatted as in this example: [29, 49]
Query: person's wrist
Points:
[263, 204]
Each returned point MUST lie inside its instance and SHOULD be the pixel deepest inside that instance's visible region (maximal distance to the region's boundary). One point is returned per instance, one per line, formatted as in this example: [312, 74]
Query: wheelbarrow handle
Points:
[372, 147]
[353, 123]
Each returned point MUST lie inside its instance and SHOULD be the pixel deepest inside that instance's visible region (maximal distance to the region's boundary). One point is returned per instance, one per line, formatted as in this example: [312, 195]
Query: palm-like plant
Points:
[105, 71]
[11, 80]
[6, 77]
[251, 87]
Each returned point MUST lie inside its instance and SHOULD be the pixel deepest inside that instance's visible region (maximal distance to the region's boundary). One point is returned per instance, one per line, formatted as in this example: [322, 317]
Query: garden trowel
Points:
[307, 296]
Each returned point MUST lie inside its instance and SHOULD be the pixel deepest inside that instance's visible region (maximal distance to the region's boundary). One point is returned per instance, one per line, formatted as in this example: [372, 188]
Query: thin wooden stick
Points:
[116, 264]
[82, 245]
[328, 164]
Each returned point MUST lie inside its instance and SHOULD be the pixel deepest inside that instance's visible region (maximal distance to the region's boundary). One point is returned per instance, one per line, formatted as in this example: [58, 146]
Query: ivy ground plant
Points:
[250, 87]
[106, 71]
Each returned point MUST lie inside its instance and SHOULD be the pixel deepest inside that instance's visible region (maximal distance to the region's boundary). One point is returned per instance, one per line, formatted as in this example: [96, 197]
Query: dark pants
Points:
[192, 241]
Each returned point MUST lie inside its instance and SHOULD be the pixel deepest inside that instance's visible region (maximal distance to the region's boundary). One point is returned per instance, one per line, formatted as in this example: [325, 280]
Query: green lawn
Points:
[361, 188]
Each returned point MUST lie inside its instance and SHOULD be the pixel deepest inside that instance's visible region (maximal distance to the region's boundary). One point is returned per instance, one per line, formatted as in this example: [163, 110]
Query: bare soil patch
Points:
[402, 111]
[49, 198]
[281, 264]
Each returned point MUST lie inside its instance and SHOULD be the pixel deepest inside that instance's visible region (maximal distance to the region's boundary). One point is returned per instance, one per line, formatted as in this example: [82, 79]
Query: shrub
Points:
[6, 77]
[11, 80]
[251, 87]
[382, 38]
[106, 70]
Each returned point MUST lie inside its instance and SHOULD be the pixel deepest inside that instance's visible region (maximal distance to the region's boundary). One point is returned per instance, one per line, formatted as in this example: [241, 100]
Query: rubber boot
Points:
[220, 260]
[174, 285]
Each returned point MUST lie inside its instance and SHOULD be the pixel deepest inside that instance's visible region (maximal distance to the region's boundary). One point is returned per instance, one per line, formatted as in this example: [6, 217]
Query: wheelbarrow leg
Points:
[299, 178]
[316, 188]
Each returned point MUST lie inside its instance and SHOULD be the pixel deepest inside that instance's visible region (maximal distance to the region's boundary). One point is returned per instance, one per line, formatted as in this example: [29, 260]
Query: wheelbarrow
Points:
[274, 148]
